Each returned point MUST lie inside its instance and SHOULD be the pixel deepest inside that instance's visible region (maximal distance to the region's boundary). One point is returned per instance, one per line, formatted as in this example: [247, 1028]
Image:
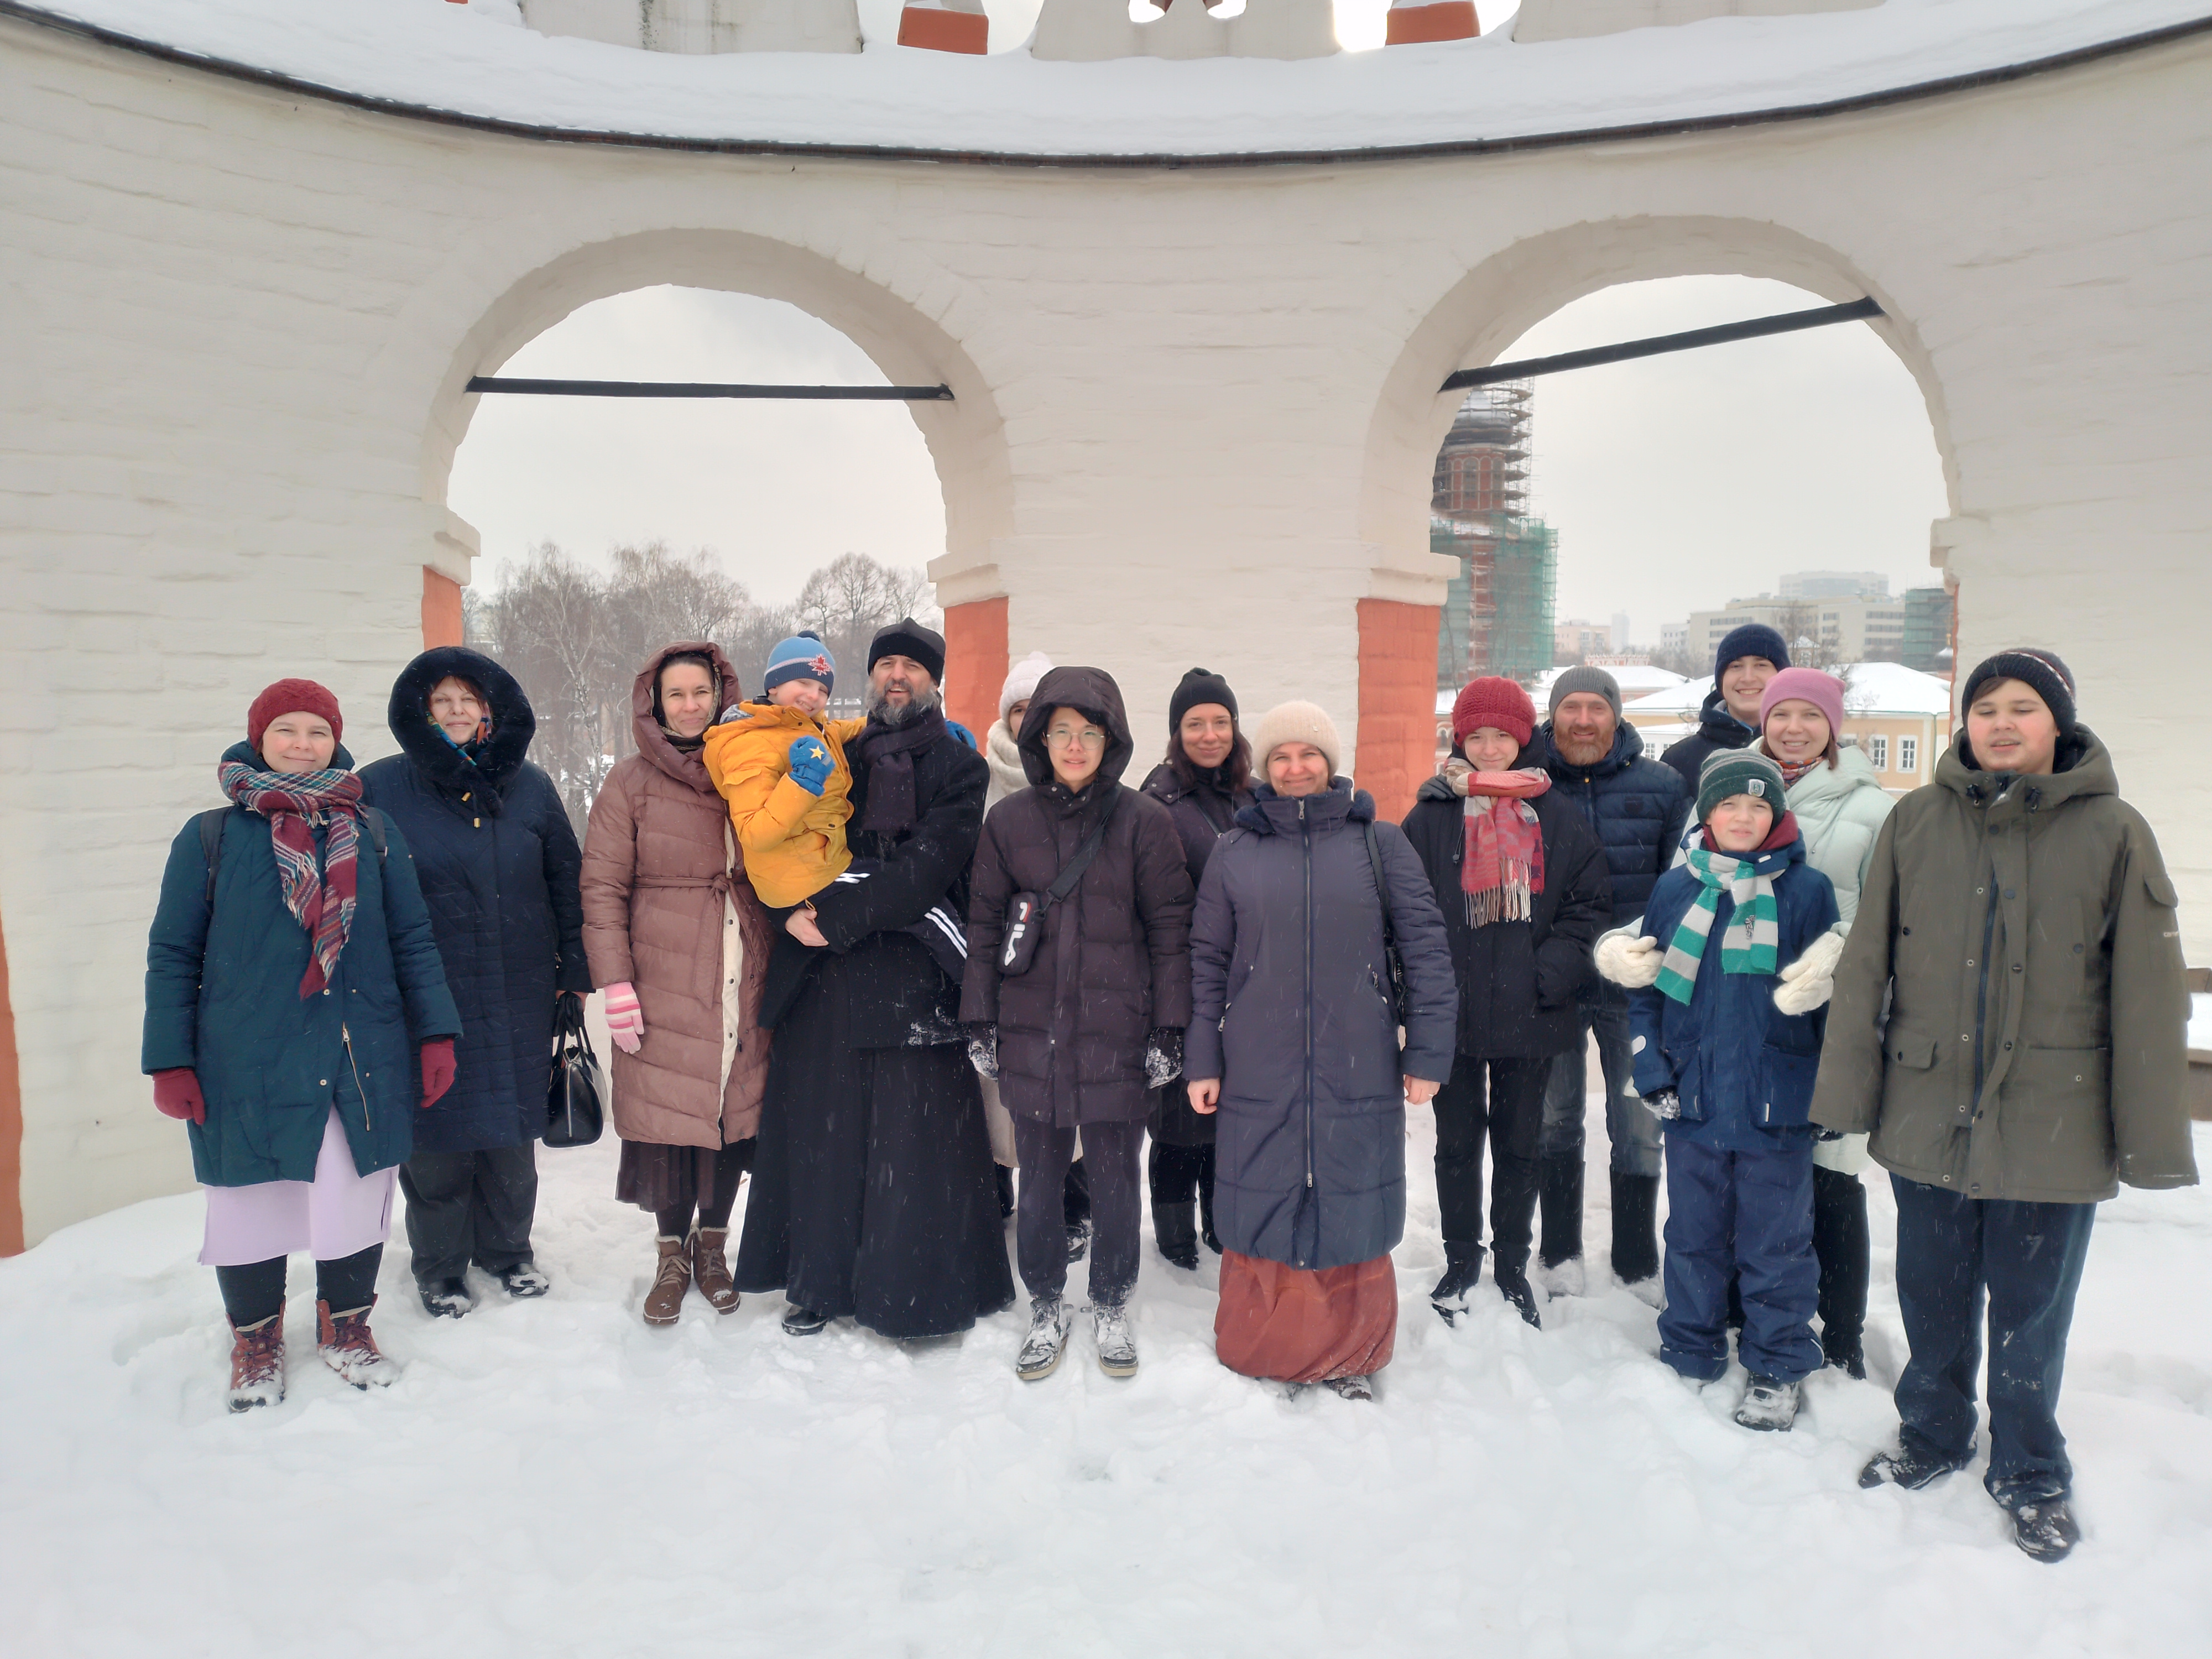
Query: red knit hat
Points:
[292, 698]
[1493, 700]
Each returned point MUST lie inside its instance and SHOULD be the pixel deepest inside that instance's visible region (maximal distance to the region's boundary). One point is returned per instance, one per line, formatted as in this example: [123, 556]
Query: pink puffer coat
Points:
[667, 908]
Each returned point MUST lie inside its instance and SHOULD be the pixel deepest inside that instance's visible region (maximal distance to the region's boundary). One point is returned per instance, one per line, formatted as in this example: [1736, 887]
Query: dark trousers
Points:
[1174, 1173]
[1748, 1214]
[1843, 1248]
[1512, 1117]
[470, 1207]
[255, 1291]
[2025, 1259]
[1110, 1160]
[1633, 1130]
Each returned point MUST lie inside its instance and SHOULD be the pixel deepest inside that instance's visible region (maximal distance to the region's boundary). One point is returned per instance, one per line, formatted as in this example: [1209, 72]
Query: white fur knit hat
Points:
[1021, 683]
[1296, 722]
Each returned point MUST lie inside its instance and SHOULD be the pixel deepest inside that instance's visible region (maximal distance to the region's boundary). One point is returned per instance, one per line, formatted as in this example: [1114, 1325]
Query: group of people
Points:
[910, 983]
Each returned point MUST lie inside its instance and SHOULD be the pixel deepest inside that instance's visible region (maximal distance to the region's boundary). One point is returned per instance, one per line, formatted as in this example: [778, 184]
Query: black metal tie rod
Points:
[1789, 322]
[879, 394]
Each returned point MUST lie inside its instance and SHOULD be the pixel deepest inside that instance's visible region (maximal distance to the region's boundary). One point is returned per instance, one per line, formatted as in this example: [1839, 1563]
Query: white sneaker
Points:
[1565, 1280]
[1117, 1343]
[1047, 1340]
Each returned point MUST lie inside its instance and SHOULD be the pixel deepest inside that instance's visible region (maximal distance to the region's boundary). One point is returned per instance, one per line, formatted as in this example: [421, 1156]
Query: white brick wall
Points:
[1196, 422]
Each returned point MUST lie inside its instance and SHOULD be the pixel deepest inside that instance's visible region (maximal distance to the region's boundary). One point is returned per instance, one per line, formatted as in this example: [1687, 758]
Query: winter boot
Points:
[522, 1280]
[1462, 1272]
[1909, 1466]
[1352, 1388]
[349, 1350]
[1635, 1227]
[1047, 1340]
[256, 1363]
[1211, 1239]
[1513, 1284]
[1846, 1355]
[1560, 1196]
[1174, 1226]
[803, 1321]
[1117, 1343]
[1769, 1403]
[710, 1265]
[670, 1280]
[447, 1299]
[2046, 1530]
[1078, 1238]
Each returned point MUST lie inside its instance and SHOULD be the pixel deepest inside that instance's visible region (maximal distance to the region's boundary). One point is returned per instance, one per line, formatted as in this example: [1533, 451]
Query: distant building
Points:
[1845, 629]
[1579, 638]
[1673, 638]
[1900, 717]
[1927, 641]
[1498, 611]
[1835, 584]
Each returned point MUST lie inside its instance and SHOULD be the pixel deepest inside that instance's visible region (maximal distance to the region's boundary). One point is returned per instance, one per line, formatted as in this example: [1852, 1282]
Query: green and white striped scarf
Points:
[1751, 942]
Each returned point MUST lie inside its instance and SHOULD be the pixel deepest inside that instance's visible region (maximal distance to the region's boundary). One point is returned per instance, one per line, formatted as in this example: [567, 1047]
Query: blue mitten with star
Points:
[810, 764]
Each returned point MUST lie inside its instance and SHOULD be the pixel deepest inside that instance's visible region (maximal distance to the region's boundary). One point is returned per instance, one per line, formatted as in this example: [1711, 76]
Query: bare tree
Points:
[552, 628]
[1810, 645]
[848, 599]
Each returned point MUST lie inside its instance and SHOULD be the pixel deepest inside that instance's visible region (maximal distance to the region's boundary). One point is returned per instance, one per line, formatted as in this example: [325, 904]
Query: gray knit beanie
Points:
[1584, 678]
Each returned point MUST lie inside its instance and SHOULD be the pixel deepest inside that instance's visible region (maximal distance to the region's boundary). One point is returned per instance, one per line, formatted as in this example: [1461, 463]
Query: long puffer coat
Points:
[222, 996]
[1113, 961]
[1291, 1010]
[498, 863]
[664, 894]
[1203, 813]
[1638, 808]
[2027, 940]
[1518, 980]
[1742, 1068]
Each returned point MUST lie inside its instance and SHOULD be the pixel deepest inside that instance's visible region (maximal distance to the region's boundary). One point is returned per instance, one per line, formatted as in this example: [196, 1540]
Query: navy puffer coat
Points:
[222, 996]
[1638, 808]
[1290, 1011]
[498, 863]
[1718, 731]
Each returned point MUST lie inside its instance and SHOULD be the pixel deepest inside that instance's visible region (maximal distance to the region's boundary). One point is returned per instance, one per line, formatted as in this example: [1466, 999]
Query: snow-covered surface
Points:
[1874, 688]
[551, 1478]
[2199, 1022]
[480, 62]
[1634, 682]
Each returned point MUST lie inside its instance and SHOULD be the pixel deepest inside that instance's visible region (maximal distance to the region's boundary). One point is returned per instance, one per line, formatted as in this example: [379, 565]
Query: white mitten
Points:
[1811, 980]
[1627, 960]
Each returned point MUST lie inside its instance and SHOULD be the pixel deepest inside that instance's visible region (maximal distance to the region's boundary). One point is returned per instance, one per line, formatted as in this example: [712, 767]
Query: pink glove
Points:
[625, 1020]
[177, 1094]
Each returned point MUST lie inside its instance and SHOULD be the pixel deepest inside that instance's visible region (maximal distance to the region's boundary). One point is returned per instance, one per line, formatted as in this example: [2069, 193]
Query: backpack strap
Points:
[1381, 888]
[372, 822]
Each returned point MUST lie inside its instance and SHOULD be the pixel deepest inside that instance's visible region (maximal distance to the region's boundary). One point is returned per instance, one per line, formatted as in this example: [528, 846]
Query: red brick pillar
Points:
[974, 660]
[1397, 701]
[441, 609]
[11, 1122]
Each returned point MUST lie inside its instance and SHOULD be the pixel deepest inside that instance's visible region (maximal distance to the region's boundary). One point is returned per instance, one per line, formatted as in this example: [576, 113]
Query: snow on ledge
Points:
[478, 64]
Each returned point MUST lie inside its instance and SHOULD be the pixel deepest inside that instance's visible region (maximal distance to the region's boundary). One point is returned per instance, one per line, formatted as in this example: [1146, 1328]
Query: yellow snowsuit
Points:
[794, 842]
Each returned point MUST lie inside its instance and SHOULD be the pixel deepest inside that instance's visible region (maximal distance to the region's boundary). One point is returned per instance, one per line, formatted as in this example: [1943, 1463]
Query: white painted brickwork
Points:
[1196, 416]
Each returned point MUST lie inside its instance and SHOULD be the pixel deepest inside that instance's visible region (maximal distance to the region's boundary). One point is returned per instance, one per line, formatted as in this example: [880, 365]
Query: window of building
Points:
[1878, 751]
[1908, 756]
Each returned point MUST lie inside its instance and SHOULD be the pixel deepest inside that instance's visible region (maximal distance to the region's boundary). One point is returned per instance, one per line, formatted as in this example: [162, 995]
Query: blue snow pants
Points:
[1749, 1214]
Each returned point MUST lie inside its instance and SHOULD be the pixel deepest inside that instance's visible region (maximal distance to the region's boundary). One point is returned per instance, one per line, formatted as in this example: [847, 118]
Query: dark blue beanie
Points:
[1750, 640]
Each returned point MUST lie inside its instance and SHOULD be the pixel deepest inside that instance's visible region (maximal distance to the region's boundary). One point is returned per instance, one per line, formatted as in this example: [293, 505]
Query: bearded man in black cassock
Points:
[873, 1197]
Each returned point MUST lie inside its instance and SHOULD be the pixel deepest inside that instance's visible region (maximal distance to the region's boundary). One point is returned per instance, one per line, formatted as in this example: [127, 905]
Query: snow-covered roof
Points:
[1634, 682]
[481, 64]
[1872, 688]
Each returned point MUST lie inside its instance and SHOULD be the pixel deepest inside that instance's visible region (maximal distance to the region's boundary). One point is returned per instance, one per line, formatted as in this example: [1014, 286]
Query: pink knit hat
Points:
[1824, 691]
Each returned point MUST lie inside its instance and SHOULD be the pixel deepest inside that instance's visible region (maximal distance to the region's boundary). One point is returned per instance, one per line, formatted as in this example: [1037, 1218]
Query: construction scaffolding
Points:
[1498, 610]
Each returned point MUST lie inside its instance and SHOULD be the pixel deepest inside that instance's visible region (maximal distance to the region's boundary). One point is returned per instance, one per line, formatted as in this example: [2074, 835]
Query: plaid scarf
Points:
[1502, 868]
[1753, 941]
[293, 802]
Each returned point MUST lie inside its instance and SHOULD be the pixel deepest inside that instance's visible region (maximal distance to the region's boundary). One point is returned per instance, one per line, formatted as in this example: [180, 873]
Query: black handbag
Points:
[575, 1113]
[1397, 963]
[1026, 912]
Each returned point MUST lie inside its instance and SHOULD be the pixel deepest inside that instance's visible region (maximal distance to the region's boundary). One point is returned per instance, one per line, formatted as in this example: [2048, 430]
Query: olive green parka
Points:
[2025, 931]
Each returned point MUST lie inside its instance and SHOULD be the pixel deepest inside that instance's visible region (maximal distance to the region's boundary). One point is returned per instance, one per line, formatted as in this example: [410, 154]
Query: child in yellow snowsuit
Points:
[782, 767]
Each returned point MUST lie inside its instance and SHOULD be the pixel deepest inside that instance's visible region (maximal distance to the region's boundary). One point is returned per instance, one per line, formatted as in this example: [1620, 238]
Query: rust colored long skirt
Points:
[1299, 1325]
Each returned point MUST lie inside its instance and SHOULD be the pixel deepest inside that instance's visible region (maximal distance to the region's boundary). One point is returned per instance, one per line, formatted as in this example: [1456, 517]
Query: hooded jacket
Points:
[2025, 933]
[1636, 807]
[1840, 810]
[667, 908]
[1113, 961]
[1717, 730]
[1291, 1010]
[793, 840]
[222, 996]
[498, 864]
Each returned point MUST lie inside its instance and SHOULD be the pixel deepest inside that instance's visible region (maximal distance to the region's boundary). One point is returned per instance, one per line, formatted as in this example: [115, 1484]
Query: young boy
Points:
[782, 767]
[1730, 1076]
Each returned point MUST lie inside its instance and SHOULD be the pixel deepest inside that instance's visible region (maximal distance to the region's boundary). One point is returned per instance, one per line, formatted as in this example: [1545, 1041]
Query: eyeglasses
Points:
[1067, 737]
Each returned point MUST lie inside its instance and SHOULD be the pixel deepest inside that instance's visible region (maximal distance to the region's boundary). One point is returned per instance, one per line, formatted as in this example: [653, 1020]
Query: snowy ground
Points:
[552, 1478]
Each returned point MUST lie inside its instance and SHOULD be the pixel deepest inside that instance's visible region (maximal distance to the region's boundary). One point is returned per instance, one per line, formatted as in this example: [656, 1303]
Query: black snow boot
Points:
[2046, 1530]
[1911, 1467]
[1635, 1227]
[1462, 1272]
[1560, 1199]
[1175, 1228]
[1513, 1285]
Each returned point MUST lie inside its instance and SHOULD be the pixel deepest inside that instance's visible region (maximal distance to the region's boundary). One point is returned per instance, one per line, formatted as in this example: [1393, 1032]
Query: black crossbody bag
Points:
[1026, 912]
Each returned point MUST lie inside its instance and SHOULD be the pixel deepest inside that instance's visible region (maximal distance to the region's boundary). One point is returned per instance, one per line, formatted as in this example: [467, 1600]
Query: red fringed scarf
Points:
[294, 802]
[1503, 868]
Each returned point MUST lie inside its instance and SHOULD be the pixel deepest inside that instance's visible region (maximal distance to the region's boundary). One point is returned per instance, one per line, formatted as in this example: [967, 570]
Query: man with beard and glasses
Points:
[872, 1195]
[1638, 808]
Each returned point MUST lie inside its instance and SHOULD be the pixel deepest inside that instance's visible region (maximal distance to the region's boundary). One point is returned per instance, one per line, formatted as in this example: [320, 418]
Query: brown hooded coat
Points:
[667, 908]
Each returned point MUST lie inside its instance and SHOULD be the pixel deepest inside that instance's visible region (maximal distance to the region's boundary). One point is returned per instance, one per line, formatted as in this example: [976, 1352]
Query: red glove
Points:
[437, 1070]
[177, 1094]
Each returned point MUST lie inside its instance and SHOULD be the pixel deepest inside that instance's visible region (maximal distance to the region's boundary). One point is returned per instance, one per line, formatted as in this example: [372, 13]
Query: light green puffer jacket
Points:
[1840, 810]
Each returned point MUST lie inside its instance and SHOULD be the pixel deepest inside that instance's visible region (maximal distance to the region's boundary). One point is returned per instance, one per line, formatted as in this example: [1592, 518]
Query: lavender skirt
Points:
[337, 1214]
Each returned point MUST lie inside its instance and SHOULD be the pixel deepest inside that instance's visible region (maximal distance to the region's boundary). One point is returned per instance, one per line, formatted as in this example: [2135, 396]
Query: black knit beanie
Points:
[1750, 640]
[908, 638]
[1197, 687]
[2042, 670]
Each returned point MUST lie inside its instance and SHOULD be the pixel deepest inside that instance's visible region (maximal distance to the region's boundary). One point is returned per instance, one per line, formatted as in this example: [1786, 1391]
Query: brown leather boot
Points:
[256, 1363]
[351, 1350]
[666, 1299]
[710, 1264]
